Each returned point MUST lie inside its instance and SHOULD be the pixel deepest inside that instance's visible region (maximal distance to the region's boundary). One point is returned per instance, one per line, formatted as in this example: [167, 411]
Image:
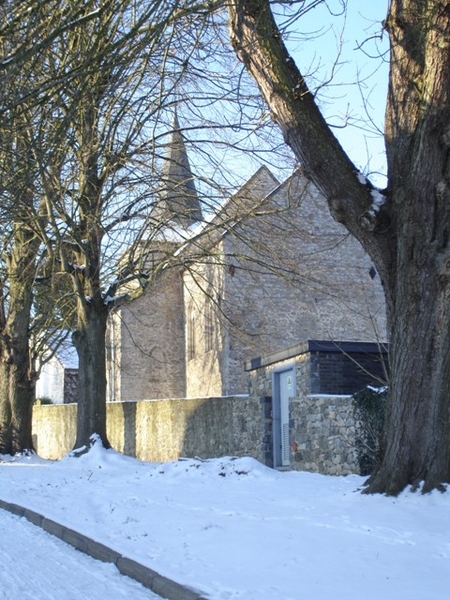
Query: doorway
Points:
[283, 389]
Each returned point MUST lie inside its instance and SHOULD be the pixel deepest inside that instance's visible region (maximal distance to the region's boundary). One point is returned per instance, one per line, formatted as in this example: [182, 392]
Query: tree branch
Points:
[352, 199]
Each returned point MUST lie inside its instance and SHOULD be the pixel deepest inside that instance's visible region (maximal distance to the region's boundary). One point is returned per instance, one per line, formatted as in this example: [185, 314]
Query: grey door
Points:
[284, 388]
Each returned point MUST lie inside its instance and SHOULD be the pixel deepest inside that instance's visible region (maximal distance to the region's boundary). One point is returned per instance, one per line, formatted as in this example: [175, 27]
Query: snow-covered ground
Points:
[237, 530]
[38, 566]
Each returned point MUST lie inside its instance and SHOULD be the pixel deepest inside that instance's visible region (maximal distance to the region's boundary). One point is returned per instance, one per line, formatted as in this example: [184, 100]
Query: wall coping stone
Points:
[326, 396]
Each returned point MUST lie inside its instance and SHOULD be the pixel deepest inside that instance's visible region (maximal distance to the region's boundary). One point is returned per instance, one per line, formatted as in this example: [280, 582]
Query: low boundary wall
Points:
[322, 430]
[162, 430]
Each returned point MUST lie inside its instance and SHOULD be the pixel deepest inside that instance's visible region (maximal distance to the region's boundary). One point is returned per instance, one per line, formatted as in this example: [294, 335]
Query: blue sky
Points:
[348, 45]
[356, 95]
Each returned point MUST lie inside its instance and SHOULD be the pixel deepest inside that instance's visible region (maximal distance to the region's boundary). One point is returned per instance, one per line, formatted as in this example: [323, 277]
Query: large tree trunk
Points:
[407, 236]
[89, 340]
[417, 437]
[5, 407]
[17, 386]
[87, 235]
[21, 397]
[16, 390]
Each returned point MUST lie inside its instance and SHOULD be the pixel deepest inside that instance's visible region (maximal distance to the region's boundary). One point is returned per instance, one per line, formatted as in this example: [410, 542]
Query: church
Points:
[269, 269]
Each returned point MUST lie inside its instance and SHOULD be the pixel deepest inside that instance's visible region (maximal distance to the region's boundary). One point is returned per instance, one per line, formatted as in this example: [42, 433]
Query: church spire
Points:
[179, 201]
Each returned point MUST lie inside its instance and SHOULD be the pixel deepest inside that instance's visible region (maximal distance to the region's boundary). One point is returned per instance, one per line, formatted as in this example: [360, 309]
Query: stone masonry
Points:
[322, 423]
[323, 435]
[162, 430]
[274, 269]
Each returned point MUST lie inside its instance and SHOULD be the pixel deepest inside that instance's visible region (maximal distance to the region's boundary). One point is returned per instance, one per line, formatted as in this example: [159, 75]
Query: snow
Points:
[108, 299]
[53, 569]
[237, 530]
[377, 390]
[378, 198]
[361, 178]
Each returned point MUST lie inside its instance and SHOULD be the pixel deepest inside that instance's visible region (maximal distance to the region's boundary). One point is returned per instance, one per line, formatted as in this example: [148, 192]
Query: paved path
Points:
[35, 565]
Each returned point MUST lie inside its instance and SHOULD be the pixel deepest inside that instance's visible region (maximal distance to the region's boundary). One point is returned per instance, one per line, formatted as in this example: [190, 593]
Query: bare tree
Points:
[100, 81]
[89, 185]
[123, 72]
[404, 228]
[21, 209]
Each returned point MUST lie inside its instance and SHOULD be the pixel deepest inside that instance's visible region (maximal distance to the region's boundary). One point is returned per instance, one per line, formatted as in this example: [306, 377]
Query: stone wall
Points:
[162, 430]
[274, 268]
[292, 273]
[54, 429]
[206, 339]
[146, 357]
[322, 423]
[323, 431]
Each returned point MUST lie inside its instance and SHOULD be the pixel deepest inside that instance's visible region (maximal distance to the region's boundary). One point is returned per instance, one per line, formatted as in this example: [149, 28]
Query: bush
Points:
[369, 406]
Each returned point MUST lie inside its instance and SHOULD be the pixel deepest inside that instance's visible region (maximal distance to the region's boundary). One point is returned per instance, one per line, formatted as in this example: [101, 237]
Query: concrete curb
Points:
[164, 587]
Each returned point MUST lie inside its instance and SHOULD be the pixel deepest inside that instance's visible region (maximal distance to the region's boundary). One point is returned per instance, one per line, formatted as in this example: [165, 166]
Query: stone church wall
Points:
[146, 343]
[283, 272]
[206, 339]
[291, 273]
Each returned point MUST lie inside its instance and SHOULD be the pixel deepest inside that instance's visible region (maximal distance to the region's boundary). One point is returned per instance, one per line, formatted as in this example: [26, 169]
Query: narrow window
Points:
[209, 326]
[191, 334]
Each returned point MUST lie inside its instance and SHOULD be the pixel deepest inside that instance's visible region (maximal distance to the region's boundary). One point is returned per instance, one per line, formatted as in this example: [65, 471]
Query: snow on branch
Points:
[378, 200]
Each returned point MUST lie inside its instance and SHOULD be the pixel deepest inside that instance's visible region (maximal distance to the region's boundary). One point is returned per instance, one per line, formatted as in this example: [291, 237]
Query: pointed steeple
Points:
[178, 198]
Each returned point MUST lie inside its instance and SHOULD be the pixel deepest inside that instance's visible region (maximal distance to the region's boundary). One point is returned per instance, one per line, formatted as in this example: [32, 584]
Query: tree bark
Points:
[89, 341]
[408, 236]
[5, 408]
[417, 437]
[21, 398]
[17, 386]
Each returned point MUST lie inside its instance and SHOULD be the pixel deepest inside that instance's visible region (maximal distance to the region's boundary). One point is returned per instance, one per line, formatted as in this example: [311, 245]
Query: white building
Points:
[58, 379]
